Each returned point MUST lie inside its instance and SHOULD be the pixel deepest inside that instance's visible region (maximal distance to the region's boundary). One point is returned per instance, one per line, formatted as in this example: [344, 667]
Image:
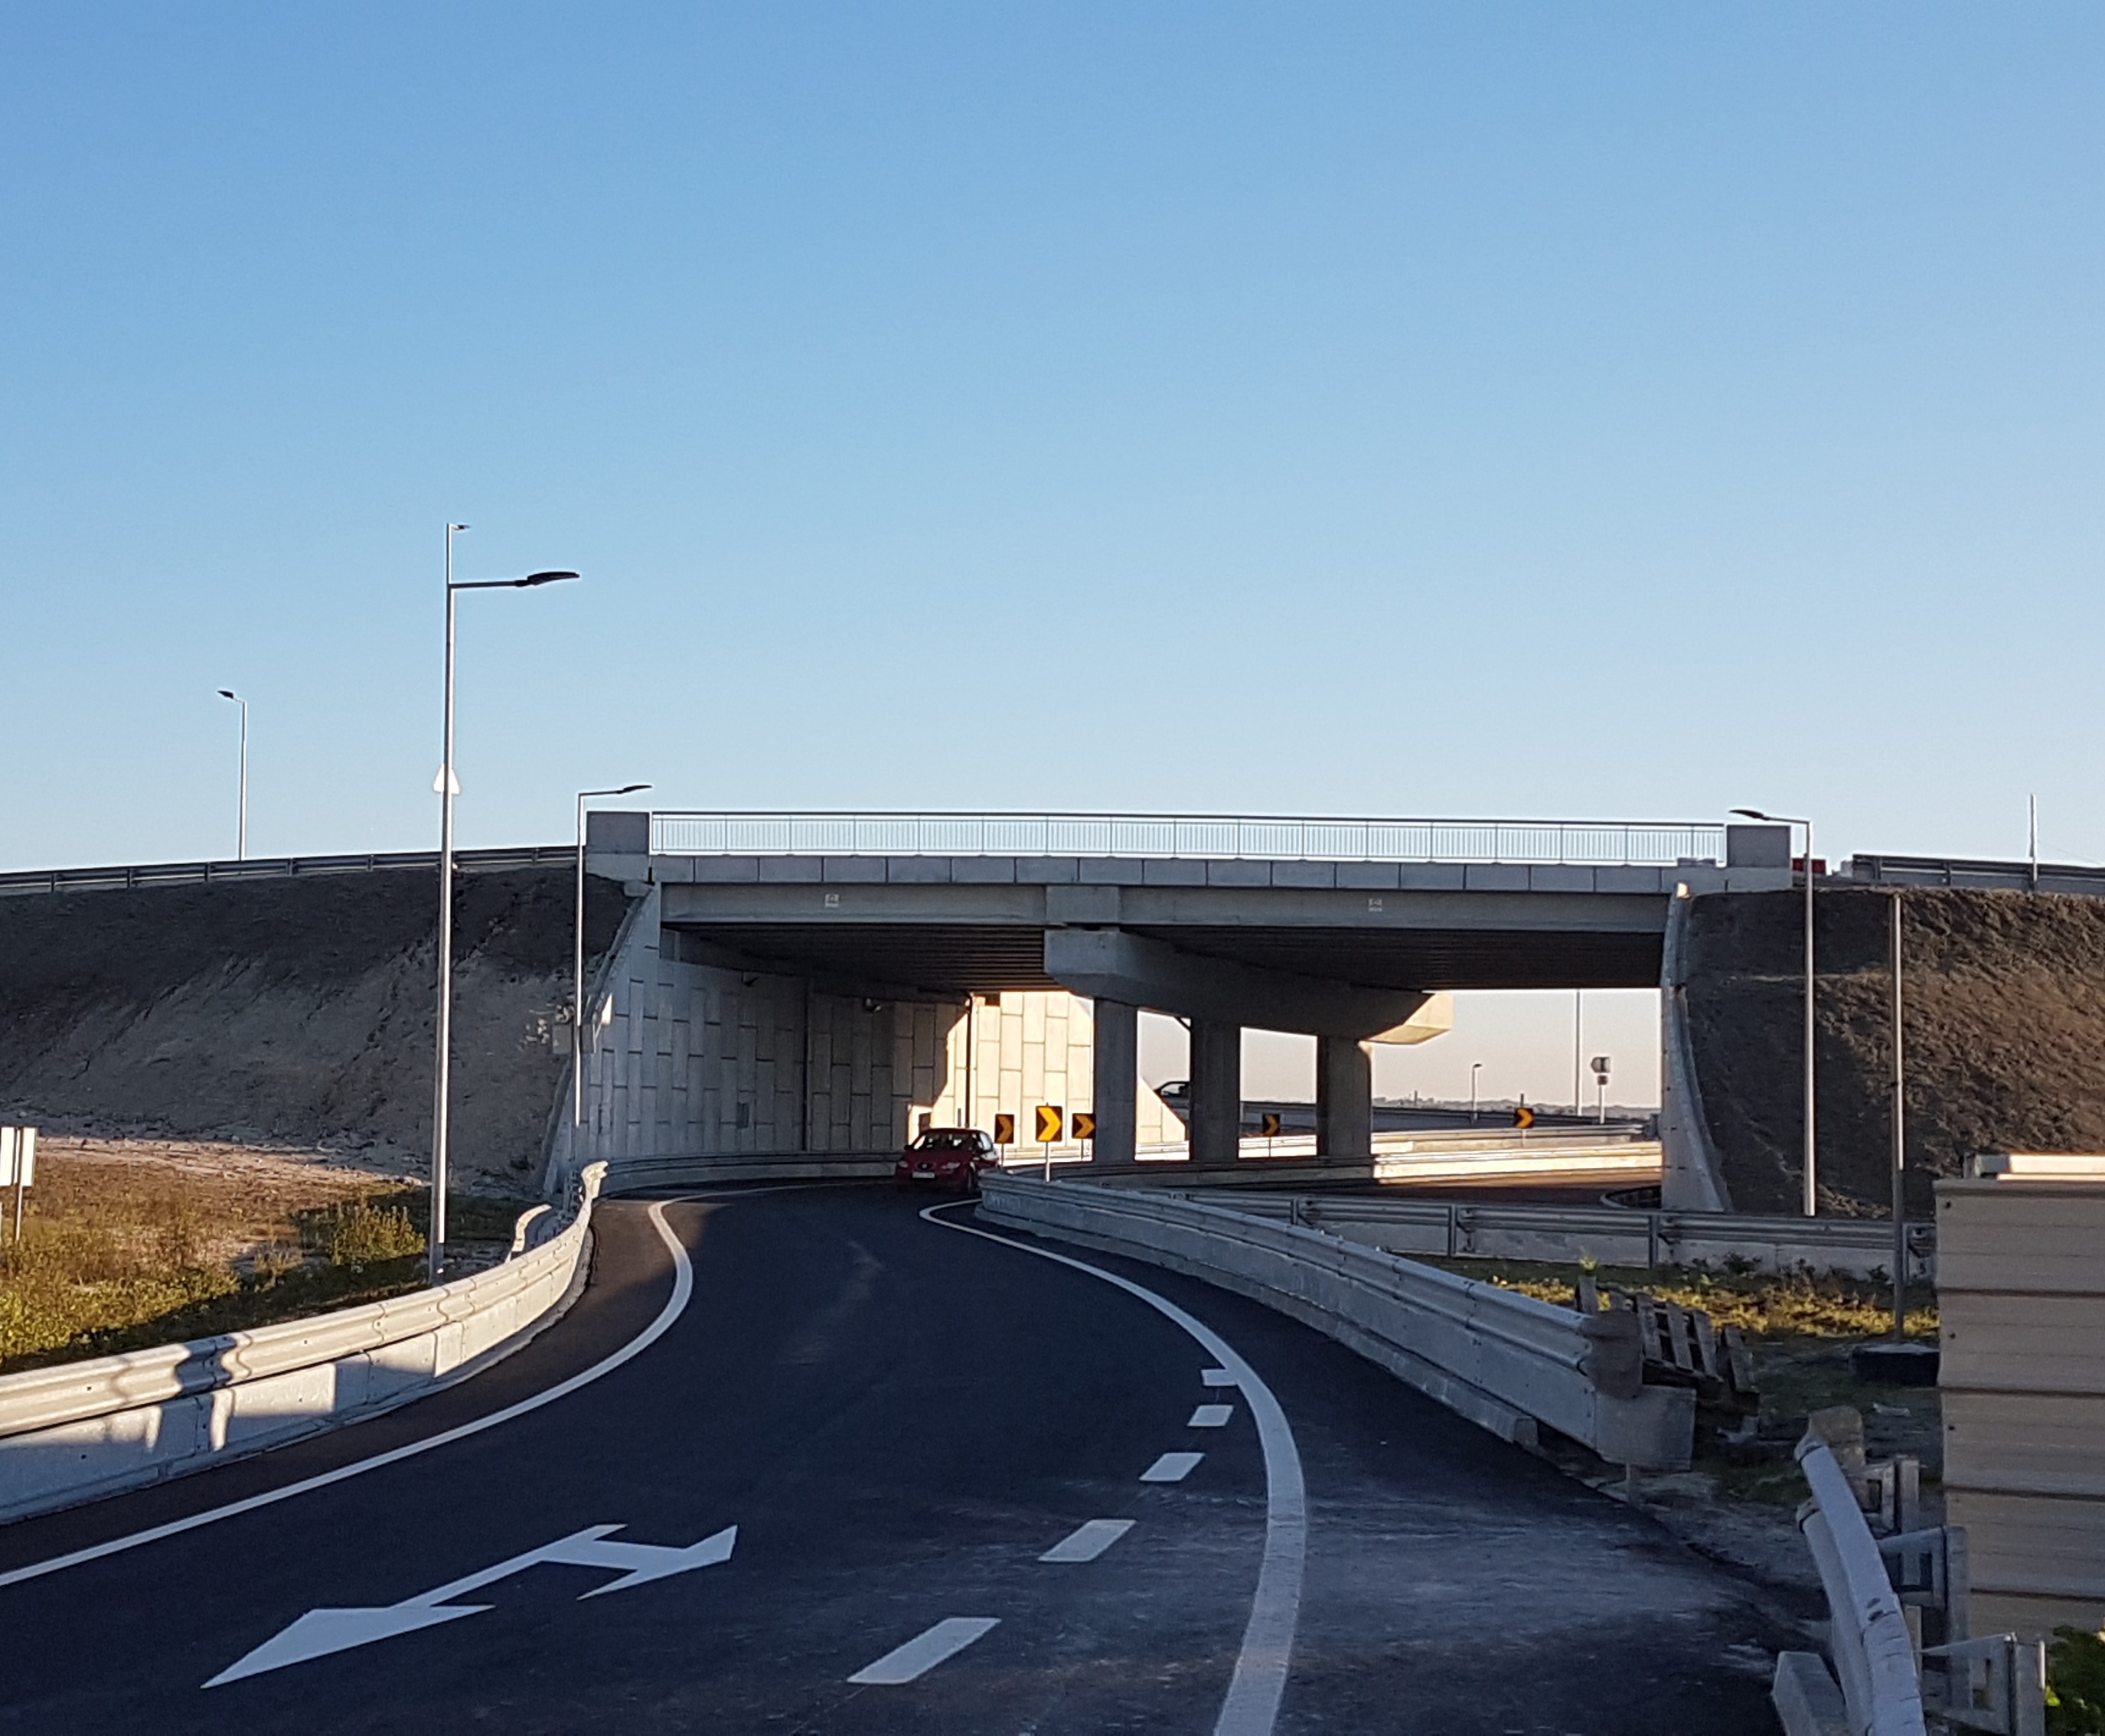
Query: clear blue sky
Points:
[1475, 408]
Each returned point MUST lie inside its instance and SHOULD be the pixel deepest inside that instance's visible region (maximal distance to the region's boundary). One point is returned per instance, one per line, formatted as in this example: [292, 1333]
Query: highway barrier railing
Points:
[645, 1175]
[1609, 1235]
[1505, 1360]
[136, 874]
[1886, 1680]
[82, 1430]
[1274, 837]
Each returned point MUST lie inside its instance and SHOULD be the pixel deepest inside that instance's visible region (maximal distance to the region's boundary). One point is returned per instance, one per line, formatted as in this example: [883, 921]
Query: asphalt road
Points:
[900, 1420]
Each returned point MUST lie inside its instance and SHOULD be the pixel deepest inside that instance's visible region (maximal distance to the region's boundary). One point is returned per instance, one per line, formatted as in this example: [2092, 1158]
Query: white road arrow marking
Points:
[320, 1631]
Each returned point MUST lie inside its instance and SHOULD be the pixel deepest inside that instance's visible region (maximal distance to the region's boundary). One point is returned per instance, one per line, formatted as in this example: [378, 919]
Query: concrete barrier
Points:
[642, 1174]
[1506, 1362]
[82, 1431]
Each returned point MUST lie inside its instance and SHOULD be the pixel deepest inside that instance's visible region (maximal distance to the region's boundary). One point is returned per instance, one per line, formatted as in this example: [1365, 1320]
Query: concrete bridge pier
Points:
[1115, 1066]
[1344, 1099]
[1217, 1094]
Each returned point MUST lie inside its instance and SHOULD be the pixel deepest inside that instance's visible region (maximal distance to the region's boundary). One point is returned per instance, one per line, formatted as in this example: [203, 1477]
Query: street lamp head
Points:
[533, 579]
[456, 527]
[1750, 814]
[630, 789]
[228, 693]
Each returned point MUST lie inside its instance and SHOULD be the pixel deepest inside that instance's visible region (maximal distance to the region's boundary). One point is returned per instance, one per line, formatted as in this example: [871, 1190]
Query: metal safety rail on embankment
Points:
[1503, 1360]
[81, 1431]
[135, 874]
[1613, 1235]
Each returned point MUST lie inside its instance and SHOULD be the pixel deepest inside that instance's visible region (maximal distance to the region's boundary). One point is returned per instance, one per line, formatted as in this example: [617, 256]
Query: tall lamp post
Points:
[241, 834]
[578, 970]
[1475, 1068]
[449, 786]
[1812, 1202]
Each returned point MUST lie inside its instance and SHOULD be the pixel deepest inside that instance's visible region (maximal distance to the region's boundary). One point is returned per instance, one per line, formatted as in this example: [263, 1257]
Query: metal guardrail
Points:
[272, 868]
[1503, 1360]
[1613, 1235]
[1886, 1680]
[1537, 843]
[1989, 875]
[79, 1430]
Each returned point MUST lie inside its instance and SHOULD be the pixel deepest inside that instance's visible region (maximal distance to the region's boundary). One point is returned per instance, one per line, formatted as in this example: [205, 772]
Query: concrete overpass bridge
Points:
[1339, 928]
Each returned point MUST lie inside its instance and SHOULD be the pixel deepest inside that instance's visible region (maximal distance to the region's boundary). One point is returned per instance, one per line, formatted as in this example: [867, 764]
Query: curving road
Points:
[816, 1460]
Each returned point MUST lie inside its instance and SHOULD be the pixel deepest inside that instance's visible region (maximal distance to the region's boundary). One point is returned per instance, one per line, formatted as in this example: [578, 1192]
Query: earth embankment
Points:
[296, 1012]
[2004, 1028]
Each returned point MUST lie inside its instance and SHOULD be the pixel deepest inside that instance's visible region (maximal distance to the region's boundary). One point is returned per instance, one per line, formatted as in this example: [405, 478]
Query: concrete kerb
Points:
[82, 1430]
[1506, 1362]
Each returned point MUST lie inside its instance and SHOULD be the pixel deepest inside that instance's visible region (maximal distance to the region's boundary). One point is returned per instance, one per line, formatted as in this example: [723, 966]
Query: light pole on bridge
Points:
[578, 972]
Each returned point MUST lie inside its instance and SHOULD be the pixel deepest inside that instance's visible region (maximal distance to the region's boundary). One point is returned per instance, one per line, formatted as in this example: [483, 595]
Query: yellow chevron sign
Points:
[1269, 1126]
[1523, 1117]
[1050, 1115]
[1004, 1129]
[1081, 1124]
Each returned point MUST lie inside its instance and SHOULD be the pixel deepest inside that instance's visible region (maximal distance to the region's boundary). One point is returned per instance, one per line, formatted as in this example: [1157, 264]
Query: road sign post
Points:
[1050, 1119]
[1269, 1124]
[1082, 1127]
[1601, 1090]
[18, 1166]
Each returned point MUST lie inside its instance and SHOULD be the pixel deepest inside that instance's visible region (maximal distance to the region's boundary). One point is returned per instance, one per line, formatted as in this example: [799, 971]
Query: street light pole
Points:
[241, 832]
[448, 787]
[1812, 1199]
[1900, 1142]
[1475, 1068]
[578, 971]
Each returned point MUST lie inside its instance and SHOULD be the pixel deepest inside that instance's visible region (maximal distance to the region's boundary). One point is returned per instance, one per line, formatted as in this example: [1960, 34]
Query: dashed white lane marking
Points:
[1087, 1541]
[1251, 1707]
[1172, 1467]
[923, 1652]
[683, 1287]
[1211, 1416]
[1216, 1377]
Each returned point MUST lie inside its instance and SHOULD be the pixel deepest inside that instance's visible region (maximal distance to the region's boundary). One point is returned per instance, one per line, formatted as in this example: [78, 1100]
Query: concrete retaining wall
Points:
[82, 1430]
[1504, 1361]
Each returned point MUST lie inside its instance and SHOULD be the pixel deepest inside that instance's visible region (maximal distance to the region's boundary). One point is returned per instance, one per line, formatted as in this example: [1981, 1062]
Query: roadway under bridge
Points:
[812, 1459]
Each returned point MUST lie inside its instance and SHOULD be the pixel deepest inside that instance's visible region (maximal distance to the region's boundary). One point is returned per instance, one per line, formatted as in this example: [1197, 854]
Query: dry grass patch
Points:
[121, 1252]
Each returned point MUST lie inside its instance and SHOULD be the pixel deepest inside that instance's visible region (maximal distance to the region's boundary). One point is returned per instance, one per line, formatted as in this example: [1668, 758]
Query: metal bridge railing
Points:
[1535, 843]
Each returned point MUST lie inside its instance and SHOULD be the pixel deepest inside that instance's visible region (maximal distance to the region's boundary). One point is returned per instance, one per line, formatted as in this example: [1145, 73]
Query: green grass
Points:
[1763, 1304]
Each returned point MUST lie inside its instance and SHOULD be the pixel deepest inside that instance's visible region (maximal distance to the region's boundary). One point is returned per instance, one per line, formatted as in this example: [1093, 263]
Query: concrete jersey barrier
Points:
[82, 1430]
[1506, 1362]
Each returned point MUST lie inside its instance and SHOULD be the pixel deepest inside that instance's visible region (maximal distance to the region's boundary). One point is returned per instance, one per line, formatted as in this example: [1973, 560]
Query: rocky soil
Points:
[2004, 1029]
[295, 1014]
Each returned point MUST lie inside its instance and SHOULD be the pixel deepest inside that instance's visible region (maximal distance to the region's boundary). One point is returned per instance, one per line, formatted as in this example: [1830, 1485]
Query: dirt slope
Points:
[294, 1012]
[2005, 1032]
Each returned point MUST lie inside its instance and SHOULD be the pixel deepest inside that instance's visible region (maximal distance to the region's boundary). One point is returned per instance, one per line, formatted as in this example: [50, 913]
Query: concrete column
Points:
[1345, 1100]
[1114, 1069]
[1217, 1092]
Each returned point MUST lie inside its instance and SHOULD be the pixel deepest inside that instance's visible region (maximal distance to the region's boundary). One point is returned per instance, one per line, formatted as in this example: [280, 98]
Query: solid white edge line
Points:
[1252, 1705]
[924, 1651]
[683, 1288]
[1088, 1540]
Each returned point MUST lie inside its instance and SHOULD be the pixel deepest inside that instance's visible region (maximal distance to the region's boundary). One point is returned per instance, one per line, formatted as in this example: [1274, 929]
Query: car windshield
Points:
[947, 1142]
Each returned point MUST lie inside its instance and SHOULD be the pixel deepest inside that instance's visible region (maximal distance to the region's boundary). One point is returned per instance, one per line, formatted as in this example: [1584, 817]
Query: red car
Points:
[951, 1157]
